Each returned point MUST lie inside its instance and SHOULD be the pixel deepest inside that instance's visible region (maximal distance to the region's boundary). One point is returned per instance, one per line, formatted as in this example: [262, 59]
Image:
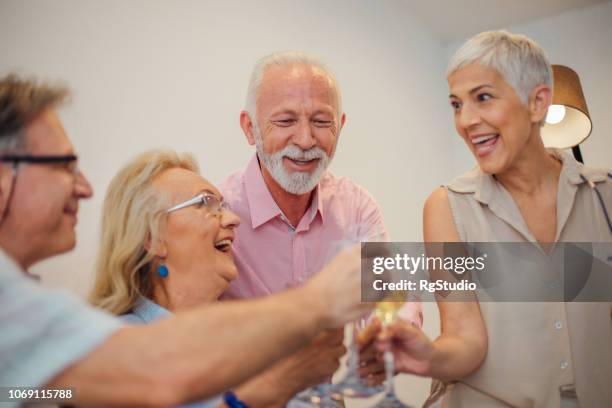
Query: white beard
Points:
[297, 182]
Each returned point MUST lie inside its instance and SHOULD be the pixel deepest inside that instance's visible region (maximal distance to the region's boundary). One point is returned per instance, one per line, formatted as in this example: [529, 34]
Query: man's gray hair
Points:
[519, 59]
[280, 59]
[21, 101]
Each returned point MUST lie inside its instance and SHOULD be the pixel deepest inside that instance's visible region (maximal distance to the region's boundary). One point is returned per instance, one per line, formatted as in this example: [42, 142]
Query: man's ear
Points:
[539, 101]
[156, 247]
[342, 120]
[247, 126]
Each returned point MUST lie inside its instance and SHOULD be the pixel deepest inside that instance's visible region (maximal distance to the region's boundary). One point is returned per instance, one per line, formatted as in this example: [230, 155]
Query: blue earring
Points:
[162, 270]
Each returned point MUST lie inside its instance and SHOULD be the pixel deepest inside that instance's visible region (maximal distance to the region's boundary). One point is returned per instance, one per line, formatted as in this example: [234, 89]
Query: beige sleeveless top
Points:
[535, 349]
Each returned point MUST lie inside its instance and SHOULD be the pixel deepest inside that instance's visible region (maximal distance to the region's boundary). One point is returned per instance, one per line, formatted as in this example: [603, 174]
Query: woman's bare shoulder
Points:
[438, 222]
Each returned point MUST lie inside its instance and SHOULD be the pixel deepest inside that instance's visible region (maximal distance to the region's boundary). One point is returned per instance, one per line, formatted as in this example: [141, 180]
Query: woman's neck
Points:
[174, 296]
[533, 172]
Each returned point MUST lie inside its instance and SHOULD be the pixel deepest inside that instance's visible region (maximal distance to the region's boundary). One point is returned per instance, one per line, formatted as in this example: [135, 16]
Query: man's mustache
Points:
[295, 153]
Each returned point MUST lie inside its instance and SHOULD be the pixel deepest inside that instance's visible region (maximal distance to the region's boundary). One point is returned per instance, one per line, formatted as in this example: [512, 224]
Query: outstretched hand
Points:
[412, 350]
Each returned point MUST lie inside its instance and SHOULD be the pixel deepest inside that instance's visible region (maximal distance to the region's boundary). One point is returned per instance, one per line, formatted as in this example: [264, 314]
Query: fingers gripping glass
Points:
[69, 161]
[214, 204]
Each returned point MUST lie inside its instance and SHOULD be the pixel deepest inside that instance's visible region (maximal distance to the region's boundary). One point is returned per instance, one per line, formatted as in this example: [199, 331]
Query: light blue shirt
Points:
[43, 331]
[147, 311]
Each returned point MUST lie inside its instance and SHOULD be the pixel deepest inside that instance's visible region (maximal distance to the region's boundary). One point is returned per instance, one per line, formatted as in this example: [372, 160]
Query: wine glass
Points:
[352, 385]
[321, 395]
[325, 395]
[386, 310]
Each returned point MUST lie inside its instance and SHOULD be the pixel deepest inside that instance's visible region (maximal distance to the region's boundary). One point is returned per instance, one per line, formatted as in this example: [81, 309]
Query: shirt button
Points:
[564, 364]
[558, 324]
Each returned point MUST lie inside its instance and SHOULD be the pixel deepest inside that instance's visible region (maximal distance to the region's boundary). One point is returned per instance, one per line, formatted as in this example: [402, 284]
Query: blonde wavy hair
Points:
[133, 214]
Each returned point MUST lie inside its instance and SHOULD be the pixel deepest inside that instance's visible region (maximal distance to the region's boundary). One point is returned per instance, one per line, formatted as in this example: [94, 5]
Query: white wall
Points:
[582, 40]
[152, 73]
[149, 74]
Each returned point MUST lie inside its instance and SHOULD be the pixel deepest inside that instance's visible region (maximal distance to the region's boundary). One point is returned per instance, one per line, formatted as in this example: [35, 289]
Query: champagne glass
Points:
[352, 385]
[326, 395]
[321, 395]
[386, 310]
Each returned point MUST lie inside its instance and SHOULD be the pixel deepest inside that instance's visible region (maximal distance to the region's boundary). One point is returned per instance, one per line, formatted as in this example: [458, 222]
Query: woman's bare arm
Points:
[462, 344]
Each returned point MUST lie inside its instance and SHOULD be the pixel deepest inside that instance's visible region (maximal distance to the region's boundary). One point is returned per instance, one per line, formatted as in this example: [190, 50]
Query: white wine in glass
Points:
[386, 310]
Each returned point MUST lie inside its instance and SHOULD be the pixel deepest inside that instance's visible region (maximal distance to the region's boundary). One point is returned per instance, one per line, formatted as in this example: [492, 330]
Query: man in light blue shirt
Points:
[45, 330]
[52, 339]
[40, 187]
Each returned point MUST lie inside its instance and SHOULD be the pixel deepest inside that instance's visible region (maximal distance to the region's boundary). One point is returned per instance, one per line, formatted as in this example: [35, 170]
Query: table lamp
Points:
[568, 122]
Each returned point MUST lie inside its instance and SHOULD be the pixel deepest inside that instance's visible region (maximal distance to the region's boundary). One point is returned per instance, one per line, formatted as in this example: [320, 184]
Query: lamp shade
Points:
[568, 122]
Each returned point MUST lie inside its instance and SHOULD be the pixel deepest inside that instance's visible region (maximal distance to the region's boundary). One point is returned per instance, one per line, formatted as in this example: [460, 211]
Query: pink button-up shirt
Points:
[272, 255]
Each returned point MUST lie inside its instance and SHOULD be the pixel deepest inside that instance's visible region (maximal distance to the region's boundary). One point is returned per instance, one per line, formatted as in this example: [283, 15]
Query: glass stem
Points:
[353, 357]
[389, 371]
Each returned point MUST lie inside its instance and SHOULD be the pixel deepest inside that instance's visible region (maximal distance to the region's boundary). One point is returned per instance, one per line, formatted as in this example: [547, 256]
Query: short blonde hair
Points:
[132, 215]
[520, 60]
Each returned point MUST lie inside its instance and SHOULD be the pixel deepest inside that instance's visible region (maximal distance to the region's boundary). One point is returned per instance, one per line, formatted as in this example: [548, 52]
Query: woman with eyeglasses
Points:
[167, 247]
[541, 353]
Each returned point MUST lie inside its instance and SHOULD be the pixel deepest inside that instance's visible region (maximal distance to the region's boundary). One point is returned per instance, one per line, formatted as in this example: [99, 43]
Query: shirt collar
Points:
[491, 193]
[485, 187]
[574, 169]
[150, 311]
[317, 201]
[262, 206]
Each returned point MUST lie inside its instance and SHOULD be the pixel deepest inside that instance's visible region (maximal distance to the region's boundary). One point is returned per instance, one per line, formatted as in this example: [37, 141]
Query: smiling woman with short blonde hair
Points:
[540, 354]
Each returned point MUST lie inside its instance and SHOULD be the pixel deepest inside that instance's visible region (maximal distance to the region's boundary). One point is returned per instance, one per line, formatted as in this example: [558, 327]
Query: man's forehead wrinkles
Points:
[302, 107]
[299, 96]
[291, 75]
[43, 136]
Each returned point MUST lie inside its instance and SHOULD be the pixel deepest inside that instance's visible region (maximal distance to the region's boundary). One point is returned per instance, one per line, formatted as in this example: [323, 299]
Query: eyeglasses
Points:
[214, 204]
[69, 161]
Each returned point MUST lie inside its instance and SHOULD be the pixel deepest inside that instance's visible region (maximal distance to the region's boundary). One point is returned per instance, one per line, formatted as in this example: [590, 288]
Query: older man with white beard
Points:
[294, 213]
